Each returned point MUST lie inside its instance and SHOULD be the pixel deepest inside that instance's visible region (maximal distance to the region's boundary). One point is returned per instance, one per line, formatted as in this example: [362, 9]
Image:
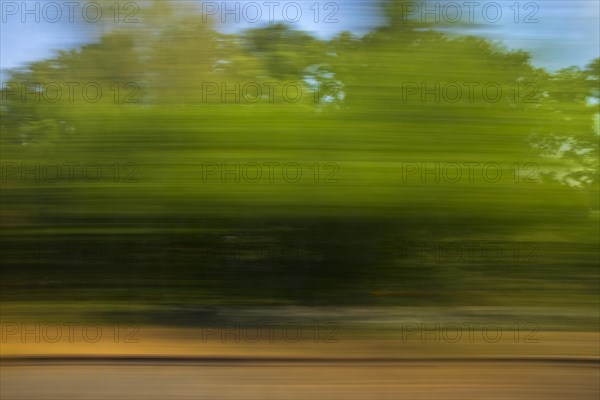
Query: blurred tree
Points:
[392, 99]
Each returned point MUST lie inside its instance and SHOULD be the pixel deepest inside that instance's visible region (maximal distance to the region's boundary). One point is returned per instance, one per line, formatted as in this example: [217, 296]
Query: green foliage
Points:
[355, 113]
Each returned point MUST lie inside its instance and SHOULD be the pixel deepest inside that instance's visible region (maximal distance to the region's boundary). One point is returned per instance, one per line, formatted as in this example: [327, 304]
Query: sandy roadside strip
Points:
[197, 342]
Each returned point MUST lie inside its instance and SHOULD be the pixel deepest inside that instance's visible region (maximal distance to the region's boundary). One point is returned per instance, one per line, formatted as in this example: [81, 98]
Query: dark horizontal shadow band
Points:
[183, 360]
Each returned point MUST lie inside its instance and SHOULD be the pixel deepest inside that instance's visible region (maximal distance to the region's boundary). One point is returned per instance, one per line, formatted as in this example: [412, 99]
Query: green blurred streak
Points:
[341, 227]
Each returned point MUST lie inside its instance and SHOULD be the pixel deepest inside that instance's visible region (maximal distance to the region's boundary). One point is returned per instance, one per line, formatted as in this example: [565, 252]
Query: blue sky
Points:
[567, 32]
